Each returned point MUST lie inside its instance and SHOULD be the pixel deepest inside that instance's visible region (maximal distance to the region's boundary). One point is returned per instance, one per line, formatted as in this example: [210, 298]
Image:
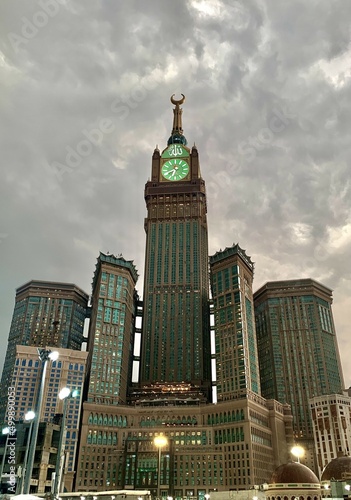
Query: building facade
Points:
[45, 457]
[67, 371]
[45, 314]
[231, 445]
[331, 420]
[298, 351]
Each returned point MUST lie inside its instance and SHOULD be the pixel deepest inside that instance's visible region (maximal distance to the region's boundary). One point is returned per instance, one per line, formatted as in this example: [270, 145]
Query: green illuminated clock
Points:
[175, 169]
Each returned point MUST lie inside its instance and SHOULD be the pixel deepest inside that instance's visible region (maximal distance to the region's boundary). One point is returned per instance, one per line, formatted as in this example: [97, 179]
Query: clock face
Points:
[175, 169]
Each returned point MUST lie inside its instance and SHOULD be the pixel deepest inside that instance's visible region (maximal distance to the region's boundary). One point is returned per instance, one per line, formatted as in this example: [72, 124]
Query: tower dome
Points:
[337, 469]
[293, 480]
[293, 472]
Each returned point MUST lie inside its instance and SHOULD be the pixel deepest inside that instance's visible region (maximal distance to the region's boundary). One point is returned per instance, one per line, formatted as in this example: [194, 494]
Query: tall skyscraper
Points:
[298, 350]
[111, 331]
[233, 444]
[46, 314]
[235, 336]
[175, 350]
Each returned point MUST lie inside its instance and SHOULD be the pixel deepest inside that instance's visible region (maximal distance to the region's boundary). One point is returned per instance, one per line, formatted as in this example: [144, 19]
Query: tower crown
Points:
[177, 136]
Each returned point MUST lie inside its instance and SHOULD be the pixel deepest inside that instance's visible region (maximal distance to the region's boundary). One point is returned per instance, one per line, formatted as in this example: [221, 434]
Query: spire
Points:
[177, 136]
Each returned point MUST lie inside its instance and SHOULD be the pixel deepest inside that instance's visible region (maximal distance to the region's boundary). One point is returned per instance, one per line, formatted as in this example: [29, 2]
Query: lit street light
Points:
[64, 395]
[298, 452]
[159, 442]
[44, 356]
[28, 417]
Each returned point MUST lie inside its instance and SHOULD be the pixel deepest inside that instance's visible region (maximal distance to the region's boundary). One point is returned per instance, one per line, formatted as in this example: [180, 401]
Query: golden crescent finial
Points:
[173, 101]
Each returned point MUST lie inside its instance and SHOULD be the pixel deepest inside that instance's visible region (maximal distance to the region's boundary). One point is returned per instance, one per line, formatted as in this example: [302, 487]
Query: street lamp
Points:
[28, 417]
[159, 442]
[5, 432]
[298, 452]
[64, 395]
[44, 355]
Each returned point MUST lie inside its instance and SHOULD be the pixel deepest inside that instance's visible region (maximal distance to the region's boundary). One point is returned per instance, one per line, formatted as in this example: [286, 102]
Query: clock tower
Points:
[175, 342]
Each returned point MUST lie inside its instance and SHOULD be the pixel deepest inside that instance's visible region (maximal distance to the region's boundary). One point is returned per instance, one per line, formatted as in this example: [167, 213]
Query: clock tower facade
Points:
[175, 346]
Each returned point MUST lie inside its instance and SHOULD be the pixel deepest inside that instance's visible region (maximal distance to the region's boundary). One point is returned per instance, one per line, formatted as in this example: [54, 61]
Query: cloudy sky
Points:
[84, 100]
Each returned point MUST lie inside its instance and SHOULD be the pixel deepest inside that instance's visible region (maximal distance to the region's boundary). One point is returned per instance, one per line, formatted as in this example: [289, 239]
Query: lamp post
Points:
[44, 356]
[29, 417]
[159, 442]
[298, 452]
[5, 432]
[64, 395]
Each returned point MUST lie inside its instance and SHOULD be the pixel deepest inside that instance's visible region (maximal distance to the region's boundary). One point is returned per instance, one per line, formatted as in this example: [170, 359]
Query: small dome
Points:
[336, 469]
[293, 472]
[177, 139]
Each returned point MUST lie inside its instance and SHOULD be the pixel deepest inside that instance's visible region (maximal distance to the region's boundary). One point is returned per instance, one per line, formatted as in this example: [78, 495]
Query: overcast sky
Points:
[84, 100]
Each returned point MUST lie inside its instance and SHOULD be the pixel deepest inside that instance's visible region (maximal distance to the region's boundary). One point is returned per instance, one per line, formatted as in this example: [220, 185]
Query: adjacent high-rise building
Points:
[45, 314]
[298, 351]
[111, 330]
[235, 336]
[331, 421]
[67, 371]
[233, 444]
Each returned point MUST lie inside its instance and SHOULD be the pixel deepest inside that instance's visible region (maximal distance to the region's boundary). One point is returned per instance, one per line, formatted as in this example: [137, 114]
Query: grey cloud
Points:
[271, 126]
